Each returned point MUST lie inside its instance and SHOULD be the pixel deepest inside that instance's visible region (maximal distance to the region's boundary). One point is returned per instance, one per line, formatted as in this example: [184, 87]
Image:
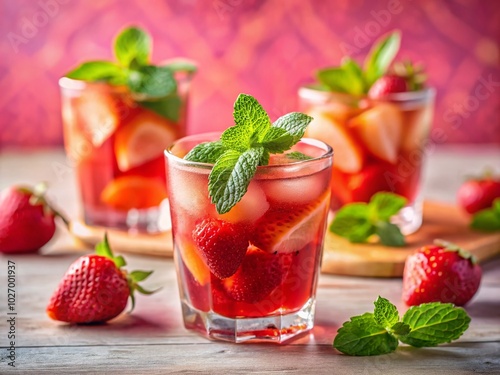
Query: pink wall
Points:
[264, 48]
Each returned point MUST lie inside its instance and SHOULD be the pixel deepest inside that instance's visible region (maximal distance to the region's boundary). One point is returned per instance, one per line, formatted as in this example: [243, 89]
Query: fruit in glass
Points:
[250, 274]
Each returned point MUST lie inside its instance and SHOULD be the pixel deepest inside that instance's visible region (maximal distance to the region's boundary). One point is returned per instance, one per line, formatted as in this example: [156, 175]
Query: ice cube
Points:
[250, 208]
[296, 190]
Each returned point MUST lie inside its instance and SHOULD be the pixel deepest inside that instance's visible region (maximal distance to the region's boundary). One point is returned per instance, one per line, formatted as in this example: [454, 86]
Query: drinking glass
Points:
[281, 221]
[379, 145]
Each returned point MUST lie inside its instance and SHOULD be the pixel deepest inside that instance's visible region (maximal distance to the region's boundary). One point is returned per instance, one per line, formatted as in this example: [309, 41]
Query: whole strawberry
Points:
[388, 84]
[442, 272]
[26, 220]
[95, 289]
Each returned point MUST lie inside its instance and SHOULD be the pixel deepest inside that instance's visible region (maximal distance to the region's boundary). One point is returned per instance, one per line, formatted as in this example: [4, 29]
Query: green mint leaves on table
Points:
[154, 87]
[428, 324]
[359, 221]
[245, 146]
[353, 79]
[487, 219]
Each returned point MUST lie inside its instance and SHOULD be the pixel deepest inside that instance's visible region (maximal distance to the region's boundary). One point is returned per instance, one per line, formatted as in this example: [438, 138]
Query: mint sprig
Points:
[376, 333]
[153, 87]
[353, 79]
[488, 219]
[245, 146]
[359, 221]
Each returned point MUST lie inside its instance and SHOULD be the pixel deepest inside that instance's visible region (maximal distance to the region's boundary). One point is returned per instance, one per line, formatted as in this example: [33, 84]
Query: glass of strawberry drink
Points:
[378, 125]
[115, 132]
[248, 273]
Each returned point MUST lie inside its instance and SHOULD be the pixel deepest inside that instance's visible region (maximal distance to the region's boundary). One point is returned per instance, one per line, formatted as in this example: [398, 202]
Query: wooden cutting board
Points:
[340, 257]
[441, 220]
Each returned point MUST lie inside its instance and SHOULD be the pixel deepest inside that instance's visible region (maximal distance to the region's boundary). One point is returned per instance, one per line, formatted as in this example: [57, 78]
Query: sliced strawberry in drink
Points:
[341, 193]
[222, 245]
[380, 129]
[348, 155]
[259, 274]
[286, 230]
[142, 139]
[127, 192]
[369, 181]
[98, 112]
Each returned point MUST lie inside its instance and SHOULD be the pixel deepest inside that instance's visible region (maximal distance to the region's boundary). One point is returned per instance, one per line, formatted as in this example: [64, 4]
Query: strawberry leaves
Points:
[428, 324]
[245, 146]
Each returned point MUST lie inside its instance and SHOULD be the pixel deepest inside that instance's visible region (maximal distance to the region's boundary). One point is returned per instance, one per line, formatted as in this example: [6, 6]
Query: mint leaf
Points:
[296, 155]
[385, 314]
[381, 56]
[400, 329]
[383, 205]
[363, 336]
[207, 152]
[277, 140]
[487, 220]
[152, 81]
[230, 177]
[351, 221]
[389, 234]
[294, 123]
[249, 114]
[355, 73]
[434, 323]
[98, 71]
[133, 47]
[168, 106]
[238, 137]
[338, 79]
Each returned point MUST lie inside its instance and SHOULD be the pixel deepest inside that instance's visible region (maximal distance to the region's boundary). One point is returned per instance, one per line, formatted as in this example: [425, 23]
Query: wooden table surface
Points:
[152, 340]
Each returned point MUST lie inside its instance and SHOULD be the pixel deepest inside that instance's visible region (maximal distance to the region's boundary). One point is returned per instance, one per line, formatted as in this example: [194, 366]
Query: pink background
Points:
[263, 48]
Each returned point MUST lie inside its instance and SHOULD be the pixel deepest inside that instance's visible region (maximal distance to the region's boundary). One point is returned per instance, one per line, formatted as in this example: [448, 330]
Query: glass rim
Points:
[328, 152]
[426, 93]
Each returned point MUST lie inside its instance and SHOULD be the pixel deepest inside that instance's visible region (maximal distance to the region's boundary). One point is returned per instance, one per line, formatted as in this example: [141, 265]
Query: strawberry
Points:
[260, 273]
[440, 273]
[222, 245]
[95, 289]
[477, 194]
[27, 221]
[388, 84]
[288, 229]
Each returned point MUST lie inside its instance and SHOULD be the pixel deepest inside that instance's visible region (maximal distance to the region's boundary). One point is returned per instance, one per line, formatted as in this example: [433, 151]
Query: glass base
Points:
[277, 329]
[150, 220]
[409, 219]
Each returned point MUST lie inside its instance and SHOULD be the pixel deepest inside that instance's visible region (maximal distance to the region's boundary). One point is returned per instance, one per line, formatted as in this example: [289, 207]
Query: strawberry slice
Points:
[349, 155]
[380, 129]
[222, 245]
[99, 113]
[142, 139]
[260, 273]
[289, 228]
[386, 85]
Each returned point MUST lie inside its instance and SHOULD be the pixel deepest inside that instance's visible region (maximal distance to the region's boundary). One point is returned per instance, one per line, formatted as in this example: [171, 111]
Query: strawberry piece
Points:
[193, 260]
[290, 227]
[259, 274]
[95, 289]
[27, 221]
[222, 245]
[440, 273]
[349, 156]
[370, 180]
[142, 139]
[385, 85]
[380, 129]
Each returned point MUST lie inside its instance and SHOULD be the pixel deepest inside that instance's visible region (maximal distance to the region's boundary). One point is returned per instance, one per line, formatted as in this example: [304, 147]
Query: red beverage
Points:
[280, 223]
[379, 145]
[116, 144]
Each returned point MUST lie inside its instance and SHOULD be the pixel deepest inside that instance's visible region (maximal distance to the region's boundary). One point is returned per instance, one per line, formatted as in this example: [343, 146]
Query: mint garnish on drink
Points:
[359, 221]
[245, 146]
[152, 86]
[428, 324]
